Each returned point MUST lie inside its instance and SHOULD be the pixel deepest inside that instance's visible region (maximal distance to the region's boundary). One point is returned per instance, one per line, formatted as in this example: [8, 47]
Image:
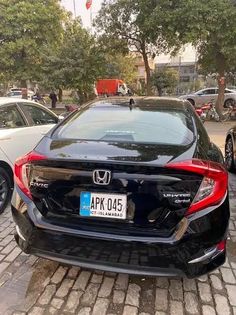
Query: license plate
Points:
[111, 206]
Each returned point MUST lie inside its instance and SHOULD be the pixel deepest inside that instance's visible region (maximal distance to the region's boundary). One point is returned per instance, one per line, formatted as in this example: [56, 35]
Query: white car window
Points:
[38, 115]
[10, 117]
[209, 92]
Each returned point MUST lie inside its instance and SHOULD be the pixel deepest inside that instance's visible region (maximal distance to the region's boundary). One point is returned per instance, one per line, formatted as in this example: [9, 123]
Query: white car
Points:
[22, 124]
[17, 93]
[204, 96]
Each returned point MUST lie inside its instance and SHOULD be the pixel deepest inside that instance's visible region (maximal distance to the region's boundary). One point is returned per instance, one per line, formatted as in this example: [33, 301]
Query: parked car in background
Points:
[125, 185]
[230, 150]
[232, 88]
[204, 96]
[22, 124]
[17, 93]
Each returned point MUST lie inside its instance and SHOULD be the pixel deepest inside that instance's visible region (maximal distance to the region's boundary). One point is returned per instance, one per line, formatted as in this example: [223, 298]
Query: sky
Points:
[81, 9]
[188, 53]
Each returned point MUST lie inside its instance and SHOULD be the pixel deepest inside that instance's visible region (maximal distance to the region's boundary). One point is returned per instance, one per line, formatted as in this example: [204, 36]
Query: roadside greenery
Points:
[44, 44]
[128, 23]
[27, 30]
[151, 27]
[210, 27]
[165, 80]
[77, 63]
[120, 66]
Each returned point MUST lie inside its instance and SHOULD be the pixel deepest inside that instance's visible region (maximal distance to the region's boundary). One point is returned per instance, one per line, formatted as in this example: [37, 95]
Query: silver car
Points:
[210, 94]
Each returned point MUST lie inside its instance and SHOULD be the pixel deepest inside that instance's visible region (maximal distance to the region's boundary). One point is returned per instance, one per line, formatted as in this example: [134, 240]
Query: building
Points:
[187, 70]
[185, 63]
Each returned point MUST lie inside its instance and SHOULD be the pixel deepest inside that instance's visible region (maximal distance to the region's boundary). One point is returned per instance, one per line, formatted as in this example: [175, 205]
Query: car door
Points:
[198, 98]
[13, 131]
[210, 95]
[229, 94]
[40, 119]
[205, 96]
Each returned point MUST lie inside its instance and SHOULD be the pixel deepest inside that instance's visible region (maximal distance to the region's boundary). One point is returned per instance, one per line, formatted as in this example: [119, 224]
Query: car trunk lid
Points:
[156, 197]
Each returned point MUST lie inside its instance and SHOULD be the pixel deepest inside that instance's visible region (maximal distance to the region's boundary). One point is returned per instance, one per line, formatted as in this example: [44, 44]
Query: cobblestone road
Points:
[38, 287]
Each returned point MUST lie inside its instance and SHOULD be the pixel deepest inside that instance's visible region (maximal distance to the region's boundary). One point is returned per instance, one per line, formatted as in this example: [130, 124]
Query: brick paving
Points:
[32, 286]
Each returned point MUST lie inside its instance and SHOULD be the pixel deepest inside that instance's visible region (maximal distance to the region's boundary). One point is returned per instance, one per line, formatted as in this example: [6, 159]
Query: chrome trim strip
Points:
[19, 233]
[208, 254]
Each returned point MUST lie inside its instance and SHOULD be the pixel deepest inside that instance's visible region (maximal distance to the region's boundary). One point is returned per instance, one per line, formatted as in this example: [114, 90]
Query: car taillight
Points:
[221, 246]
[214, 184]
[21, 170]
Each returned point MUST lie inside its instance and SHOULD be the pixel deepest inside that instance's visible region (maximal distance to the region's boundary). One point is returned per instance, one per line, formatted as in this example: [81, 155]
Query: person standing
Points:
[53, 98]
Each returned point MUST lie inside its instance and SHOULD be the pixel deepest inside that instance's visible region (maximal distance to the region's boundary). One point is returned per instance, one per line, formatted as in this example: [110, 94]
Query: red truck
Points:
[111, 87]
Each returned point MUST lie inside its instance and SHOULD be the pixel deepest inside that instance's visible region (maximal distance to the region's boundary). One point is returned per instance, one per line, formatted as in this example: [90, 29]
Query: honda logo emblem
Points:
[101, 177]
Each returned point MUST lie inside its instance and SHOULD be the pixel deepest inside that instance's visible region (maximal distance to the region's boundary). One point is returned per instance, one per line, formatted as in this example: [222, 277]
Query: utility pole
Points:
[92, 14]
[74, 9]
[179, 75]
[91, 19]
[195, 70]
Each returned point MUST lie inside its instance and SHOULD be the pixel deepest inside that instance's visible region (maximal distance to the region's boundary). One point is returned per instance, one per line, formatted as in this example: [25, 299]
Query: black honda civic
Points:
[125, 185]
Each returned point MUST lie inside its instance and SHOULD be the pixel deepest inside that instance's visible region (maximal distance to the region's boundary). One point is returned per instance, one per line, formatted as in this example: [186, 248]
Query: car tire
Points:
[5, 189]
[191, 101]
[229, 155]
[229, 102]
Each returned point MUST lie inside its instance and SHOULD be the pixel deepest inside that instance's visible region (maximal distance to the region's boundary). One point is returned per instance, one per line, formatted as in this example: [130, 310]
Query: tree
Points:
[165, 79]
[210, 27]
[119, 62]
[120, 66]
[77, 63]
[27, 29]
[128, 22]
[217, 50]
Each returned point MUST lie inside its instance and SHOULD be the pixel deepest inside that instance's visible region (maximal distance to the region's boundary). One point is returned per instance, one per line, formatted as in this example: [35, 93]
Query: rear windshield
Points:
[159, 126]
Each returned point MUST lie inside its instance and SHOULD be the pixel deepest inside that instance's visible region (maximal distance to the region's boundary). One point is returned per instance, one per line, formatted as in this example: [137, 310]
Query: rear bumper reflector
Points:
[209, 254]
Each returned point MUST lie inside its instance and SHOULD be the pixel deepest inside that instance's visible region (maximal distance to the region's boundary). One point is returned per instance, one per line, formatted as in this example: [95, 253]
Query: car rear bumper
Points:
[139, 259]
[166, 257]
[96, 254]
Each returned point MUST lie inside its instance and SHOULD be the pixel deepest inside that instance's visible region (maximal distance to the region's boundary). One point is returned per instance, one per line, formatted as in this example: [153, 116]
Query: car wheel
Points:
[229, 102]
[191, 101]
[229, 155]
[5, 189]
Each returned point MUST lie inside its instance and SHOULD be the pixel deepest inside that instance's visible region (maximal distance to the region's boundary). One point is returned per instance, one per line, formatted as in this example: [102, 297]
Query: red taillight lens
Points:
[214, 184]
[221, 246]
[21, 170]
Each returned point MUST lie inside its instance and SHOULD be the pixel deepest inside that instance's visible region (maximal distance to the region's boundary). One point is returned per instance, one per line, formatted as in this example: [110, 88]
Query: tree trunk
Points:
[60, 94]
[159, 91]
[23, 83]
[221, 95]
[147, 69]
[24, 90]
[5, 88]
[221, 84]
